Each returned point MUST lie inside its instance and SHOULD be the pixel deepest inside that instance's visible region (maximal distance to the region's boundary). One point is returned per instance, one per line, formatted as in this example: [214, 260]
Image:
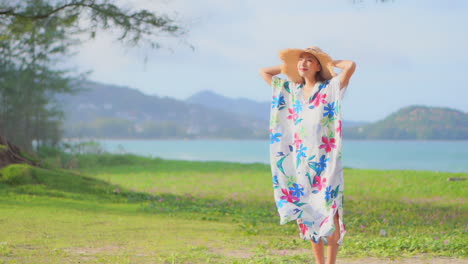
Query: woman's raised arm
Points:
[348, 68]
[268, 73]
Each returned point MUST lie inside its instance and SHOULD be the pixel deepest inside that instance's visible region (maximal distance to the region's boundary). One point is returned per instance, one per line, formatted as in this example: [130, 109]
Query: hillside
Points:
[243, 106]
[109, 111]
[415, 123]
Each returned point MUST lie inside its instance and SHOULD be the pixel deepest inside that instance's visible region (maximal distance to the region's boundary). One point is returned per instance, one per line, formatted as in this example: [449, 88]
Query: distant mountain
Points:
[102, 110]
[109, 111]
[243, 106]
[415, 123]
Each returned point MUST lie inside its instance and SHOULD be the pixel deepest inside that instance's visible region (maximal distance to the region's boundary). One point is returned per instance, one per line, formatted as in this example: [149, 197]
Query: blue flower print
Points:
[324, 84]
[278, 102]
[297, 190]
[329, 110]
[320, 166]
[280, 203]
[323, 162]
[328, 193]
[300, 151]
[275, 182]
[297, 210]
[275, 137]
[297, 106]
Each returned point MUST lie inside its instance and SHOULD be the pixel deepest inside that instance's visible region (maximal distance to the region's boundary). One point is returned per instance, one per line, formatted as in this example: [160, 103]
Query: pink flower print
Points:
[320, 98]
[324, 221]
[293, 115]
[320, 182]
[288, 195]
[334, 205]
[328, 144]
[304, 228]
[297, 141]
[338, 130]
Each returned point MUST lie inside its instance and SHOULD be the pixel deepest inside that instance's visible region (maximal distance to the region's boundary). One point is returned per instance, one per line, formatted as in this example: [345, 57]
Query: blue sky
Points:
[407, 52]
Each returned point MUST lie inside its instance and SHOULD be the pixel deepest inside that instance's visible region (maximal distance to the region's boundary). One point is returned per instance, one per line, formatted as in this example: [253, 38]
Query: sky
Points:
[406, 52]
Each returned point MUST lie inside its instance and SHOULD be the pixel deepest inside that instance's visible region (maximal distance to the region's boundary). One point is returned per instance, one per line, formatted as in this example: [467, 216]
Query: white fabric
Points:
[305, 156]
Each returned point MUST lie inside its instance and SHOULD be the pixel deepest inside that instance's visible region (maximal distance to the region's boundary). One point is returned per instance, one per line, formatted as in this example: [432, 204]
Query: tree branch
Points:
[11, 12]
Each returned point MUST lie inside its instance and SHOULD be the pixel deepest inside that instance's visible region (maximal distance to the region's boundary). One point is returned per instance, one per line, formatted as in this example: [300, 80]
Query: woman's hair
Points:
[319, 76]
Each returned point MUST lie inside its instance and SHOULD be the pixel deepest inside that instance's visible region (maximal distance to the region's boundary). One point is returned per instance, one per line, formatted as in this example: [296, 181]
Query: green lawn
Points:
[127, 209]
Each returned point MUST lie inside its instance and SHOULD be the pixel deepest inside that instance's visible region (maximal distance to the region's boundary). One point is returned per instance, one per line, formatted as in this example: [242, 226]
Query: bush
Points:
[18, 174]
[46, 151]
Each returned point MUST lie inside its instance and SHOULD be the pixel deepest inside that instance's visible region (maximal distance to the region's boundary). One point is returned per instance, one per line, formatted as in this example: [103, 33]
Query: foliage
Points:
[27, 53]
[36, 35]
[85, 154]
[17, 174]
[132, 27]
[415, 122]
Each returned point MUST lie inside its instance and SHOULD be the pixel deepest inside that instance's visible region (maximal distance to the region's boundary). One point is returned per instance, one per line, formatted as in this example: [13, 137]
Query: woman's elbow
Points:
[263, 71]
[265, 74]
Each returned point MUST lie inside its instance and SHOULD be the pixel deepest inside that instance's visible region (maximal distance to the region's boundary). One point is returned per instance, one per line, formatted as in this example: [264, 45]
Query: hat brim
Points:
[290, 57]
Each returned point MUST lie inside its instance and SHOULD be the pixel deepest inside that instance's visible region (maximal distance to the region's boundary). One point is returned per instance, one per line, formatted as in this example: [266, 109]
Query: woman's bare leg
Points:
[332, 242]
[318, 252]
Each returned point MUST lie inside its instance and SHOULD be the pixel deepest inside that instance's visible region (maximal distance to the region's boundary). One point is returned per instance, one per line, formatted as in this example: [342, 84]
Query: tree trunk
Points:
[10, 153]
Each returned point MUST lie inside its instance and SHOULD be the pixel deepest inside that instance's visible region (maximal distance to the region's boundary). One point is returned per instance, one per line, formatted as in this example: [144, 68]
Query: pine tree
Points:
[37, 34]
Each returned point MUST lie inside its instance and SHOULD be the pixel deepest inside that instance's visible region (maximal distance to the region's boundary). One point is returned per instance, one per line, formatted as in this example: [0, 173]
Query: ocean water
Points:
[450, 156]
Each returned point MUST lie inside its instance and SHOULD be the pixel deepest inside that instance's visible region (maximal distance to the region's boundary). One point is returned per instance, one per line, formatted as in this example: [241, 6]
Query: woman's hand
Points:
[268, 73]
[348, 68]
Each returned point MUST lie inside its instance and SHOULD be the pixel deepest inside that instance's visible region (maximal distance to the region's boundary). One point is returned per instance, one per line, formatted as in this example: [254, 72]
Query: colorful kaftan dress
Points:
[305, 156]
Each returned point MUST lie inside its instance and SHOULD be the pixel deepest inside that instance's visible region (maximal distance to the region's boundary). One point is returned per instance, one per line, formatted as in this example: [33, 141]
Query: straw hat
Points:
[290, 57]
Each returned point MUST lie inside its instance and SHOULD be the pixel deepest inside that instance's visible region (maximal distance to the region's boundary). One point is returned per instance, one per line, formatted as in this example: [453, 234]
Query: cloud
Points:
[405, 50]
[234, 31]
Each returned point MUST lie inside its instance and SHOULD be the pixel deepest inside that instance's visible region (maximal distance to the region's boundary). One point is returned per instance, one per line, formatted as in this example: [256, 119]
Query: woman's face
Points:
[308, 65]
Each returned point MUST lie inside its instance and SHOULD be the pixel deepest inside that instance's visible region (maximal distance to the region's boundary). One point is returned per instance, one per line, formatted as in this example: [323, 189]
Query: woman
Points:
[305, 149]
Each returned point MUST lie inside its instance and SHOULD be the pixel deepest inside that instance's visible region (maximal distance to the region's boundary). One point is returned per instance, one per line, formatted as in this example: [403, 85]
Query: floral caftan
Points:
[305, 156]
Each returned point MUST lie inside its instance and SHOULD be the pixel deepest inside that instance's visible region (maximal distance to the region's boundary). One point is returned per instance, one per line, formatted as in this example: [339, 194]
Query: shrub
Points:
[18, 174]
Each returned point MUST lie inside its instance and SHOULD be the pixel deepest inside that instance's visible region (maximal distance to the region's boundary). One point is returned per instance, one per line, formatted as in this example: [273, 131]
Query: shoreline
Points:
[73, 139]
[374, 155]
[464, 173]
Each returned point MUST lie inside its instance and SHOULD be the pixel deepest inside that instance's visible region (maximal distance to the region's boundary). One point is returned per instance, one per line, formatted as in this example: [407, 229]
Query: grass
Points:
[129, 209]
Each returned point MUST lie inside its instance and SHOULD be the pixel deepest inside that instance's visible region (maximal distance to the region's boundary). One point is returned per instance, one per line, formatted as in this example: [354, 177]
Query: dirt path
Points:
[419, 259]
[246, 254]
[405, 260]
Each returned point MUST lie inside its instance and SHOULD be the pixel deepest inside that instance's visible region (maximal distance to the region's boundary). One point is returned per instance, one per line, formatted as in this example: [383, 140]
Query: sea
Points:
[443, 156]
